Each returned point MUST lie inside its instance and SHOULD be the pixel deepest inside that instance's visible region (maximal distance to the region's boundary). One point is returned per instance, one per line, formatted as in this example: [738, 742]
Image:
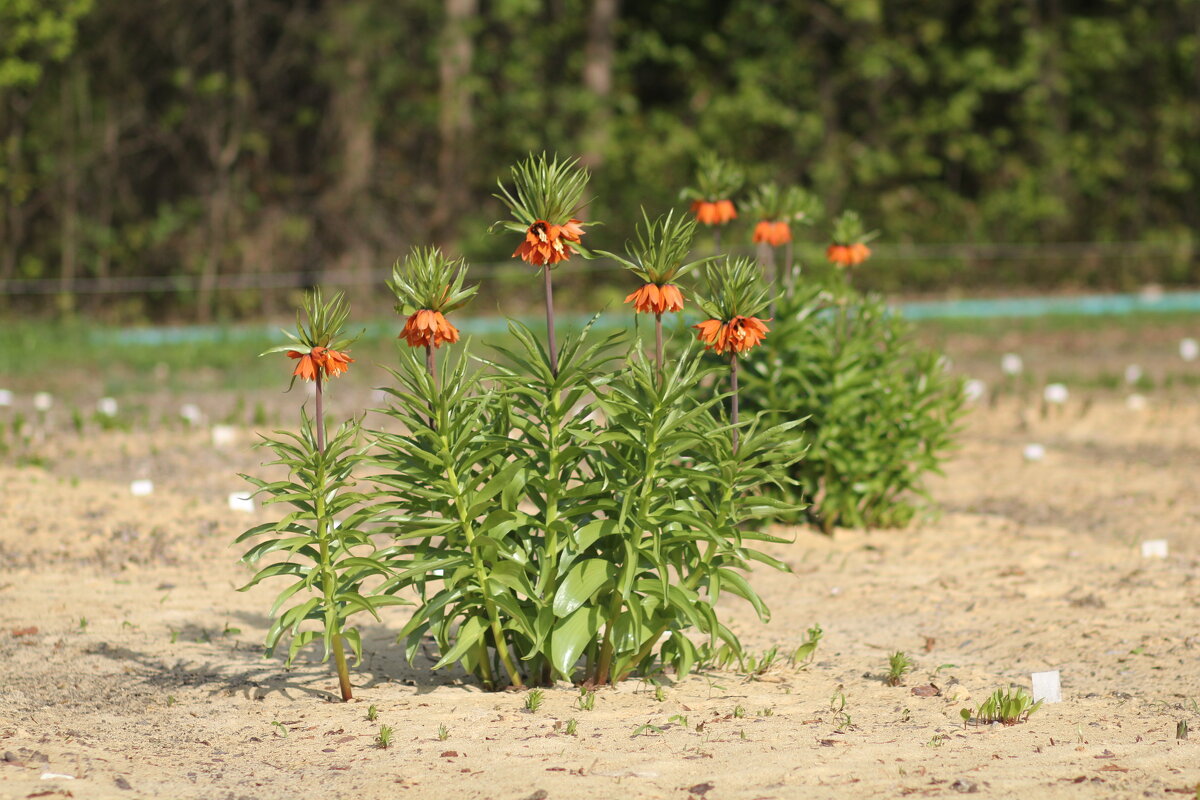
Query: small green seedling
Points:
[587, 700]
[647, 728]
[937, 740]
[280, 728]
[679, 719]
[808, 649]
[83, 623]
[383, 739]
[372, 713]
[443, 733]
[659, 694]
[1181, 729]
[572, 726]
[898, 665]
[1008, 706]
[170, 700]
[739, 712]
[533, 700]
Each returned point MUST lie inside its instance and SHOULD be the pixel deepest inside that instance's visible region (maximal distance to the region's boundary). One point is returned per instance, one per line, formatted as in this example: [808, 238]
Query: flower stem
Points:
[766, 257]
[658, 344]
[733, 400]
[550, 322]
[789, 274]
[328, 579]
[431, 364]
[717, 241]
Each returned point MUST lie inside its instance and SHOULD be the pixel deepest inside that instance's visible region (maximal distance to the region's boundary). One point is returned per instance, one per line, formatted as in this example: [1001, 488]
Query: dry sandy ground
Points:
[145, 676]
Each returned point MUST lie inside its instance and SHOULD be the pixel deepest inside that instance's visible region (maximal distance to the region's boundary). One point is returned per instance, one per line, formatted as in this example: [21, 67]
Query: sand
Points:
[145, 675]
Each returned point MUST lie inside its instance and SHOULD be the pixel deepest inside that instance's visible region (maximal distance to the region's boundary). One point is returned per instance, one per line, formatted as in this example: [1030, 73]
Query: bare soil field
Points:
[132, 667]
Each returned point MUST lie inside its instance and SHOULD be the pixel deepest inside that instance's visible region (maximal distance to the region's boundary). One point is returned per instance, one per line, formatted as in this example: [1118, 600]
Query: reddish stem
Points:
[658, 344]
[733, 400]
[550, 322]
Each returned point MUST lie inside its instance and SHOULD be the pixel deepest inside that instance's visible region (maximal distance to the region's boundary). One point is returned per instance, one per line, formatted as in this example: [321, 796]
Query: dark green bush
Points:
[880, 410]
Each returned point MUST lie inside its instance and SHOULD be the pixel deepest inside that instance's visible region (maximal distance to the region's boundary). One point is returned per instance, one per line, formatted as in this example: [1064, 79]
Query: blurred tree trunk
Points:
[455, 118]
[598, 78]
[69, 252]
[354, 114]
[223, 140]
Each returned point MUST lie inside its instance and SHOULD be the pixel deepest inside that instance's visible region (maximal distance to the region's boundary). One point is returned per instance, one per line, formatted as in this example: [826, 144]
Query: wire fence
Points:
[1183, 255]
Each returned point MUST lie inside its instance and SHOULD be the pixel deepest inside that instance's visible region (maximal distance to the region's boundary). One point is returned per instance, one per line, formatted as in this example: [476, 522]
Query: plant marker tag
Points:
[974, 390]
[1055, 393]
[1011, 364]
[241, 502]
[223, 435]
[1135, 402]
[1133, 373]
[1154, 548]
[141, 488]
[107, 406]
[190, 413]
[6, 397]
[1189, 349]
[43, 401]
[1047, 687]
[1034, 452]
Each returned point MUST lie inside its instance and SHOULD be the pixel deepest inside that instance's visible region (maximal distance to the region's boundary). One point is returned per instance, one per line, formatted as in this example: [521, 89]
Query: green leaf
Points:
[468, 634]
[582, 582]
[571, 636]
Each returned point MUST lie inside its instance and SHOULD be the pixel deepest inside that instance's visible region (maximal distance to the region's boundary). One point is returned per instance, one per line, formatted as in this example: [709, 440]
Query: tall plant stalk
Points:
[551, 341]
[733, 399]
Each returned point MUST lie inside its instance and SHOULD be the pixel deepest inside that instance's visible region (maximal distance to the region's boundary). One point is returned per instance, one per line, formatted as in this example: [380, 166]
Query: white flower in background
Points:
[1011, 364]
[1034, 452]
[190, 412]
[6, 397]
[43, 401]
[141, 488]
[1055, 393]
[1133, 373]
[1189, 349]
[107, 406]
[223, 435]
[974, 390]
[240, 501]
[1135, 402]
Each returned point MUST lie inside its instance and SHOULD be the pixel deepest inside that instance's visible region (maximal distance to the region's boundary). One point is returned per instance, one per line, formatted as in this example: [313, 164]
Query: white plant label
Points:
[1154, 548]
[974, 390]
[1034, 452]
[107, 406]
[241, 502]
[141, 488]
[1135, 402]
[43, 401]
[1047, 686]
[191, 413]
[1011, 364]
[6, 397]
[1056, 393]
[1133, 373]
[223, 435]
[1189, 349]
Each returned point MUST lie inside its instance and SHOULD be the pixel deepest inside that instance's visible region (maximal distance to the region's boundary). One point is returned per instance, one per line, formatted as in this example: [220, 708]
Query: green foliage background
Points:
[302, 139]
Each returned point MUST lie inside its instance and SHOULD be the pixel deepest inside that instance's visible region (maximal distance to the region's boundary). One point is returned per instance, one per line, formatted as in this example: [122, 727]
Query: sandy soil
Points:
[145, 676]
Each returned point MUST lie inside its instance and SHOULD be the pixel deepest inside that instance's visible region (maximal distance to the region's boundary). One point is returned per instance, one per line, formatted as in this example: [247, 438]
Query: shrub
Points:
[879, 411]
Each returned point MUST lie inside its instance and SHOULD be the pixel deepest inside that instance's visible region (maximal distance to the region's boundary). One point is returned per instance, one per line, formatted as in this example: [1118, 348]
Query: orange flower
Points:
[714, 212]
[655, 299]
[320, 361]
[548, 244]
[427, 327]
[773, 233]
[738, 335]
[848, 255]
